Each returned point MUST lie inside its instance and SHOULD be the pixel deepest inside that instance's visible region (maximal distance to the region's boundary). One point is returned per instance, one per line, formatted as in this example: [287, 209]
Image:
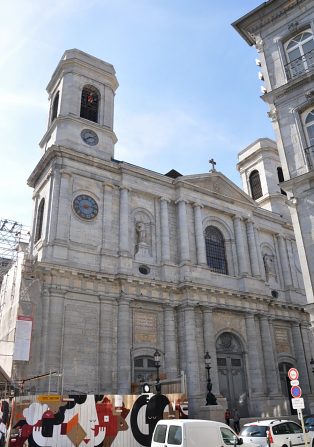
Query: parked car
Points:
[275, 433]
[309, 422]
[195, 433]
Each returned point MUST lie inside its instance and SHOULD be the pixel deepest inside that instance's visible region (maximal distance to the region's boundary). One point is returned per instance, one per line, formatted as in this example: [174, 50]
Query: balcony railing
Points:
[309, 153]
[300, 65]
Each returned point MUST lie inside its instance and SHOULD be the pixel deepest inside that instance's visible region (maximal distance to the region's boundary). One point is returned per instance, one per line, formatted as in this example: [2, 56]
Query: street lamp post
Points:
[157, 366]
[210, 398]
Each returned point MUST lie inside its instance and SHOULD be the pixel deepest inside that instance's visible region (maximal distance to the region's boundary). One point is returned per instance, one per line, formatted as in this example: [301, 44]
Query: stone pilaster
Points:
[300, 355]
[123, 346]
[252, 249]
[55, 327]
[199, 235]
[124, 222]
[192, 363]
[210, 346]
[183, 231]
[294, 277]
[65, 204]
[308, 350]
[270, 361]
[284, 260]
[105, 345]
[171, 360]
[254, 371]
[107, 219]
[259, 252]
[164, 225]
[240, 246]
[54, 205]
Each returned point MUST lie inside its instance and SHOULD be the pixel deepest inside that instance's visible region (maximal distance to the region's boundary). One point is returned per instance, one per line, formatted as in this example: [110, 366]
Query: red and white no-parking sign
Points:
[296, 391]
[293, 374]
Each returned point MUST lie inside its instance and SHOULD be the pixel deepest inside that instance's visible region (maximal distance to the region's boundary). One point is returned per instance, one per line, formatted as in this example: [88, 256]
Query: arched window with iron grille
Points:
[255, 184]
[40, 218]
[215, 250]
[55, 106]
[90, 103]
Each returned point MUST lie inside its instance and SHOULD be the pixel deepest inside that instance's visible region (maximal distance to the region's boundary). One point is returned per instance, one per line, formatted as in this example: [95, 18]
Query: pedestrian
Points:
[3, 431]
[236, 421]
[227, 416]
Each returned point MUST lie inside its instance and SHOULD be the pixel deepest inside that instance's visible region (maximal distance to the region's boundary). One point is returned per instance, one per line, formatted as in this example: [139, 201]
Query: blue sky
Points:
[188, 90]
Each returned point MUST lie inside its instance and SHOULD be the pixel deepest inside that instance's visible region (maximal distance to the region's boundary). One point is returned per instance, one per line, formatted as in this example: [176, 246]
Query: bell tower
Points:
[260, 169]
[81, 96]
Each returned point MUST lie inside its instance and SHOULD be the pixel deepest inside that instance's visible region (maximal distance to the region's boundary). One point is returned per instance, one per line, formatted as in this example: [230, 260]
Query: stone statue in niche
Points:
[142, 241]
[141, 233]
[269, 264]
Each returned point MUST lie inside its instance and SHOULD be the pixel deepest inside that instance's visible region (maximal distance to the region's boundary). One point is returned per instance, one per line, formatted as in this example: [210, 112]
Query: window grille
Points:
[55, 107]
[40, 217]
[89, 103]
[144, 369]
[255, 184]
[215, 250]
[300, 54]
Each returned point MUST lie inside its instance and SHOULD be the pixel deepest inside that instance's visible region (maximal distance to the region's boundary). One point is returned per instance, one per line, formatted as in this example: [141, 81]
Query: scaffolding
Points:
[11, 234]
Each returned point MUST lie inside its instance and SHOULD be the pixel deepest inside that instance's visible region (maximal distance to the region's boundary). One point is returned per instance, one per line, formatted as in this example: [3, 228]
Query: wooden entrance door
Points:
[231, 372]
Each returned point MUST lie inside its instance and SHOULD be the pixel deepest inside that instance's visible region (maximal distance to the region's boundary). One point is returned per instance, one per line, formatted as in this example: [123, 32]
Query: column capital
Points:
[66, 172]
[165, 199]
[123, 188]
[280, 236]
[180, 200]
[197, 205]
[237, 217]
[250, 315]
[107, 185]
[123, 298]
[187, 304]
[207, 309]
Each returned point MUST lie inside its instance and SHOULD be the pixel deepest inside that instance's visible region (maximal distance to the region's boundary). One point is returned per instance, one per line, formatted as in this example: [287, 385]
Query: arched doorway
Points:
[285, 382]
[231, 372]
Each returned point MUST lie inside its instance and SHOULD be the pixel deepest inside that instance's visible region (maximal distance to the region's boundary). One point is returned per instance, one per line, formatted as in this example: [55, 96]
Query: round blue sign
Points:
[296, 391]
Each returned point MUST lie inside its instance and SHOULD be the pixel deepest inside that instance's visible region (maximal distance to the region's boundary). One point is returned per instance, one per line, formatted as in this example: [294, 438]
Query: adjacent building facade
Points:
[123, 261]
[283, 34]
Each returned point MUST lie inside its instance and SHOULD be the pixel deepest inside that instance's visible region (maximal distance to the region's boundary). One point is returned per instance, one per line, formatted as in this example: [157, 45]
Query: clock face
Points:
[89, 137]
[85, 207]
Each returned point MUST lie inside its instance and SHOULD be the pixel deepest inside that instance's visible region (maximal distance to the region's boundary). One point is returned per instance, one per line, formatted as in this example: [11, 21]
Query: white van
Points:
[194, 433]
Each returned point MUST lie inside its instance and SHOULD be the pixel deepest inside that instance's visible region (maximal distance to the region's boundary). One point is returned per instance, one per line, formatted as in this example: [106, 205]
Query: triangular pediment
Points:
[219, 185]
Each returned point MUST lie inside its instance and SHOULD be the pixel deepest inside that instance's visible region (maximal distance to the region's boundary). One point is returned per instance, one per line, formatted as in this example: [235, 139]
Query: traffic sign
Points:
[296, 391]
[294, 383]
[298, 403]
[293, 374]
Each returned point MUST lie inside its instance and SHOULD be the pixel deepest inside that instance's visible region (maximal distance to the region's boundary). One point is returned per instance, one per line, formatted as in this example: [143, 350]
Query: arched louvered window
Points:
[215, 250]
[281, 179]
[39, 222]
[55, 106]
[255, 184]
[89, 103]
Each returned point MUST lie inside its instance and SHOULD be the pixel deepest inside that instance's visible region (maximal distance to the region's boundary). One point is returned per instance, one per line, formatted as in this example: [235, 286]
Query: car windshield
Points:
[254, 431]
[309, 421]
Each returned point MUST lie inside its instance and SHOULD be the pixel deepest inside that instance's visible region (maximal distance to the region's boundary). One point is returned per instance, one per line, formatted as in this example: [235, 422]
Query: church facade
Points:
[124, 261]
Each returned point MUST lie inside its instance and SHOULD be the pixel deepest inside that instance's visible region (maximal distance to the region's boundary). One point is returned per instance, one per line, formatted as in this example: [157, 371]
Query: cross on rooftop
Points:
[213, 163]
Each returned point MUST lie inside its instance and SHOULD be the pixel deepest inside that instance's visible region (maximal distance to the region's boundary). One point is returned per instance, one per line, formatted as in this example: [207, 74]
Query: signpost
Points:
[297, 401]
